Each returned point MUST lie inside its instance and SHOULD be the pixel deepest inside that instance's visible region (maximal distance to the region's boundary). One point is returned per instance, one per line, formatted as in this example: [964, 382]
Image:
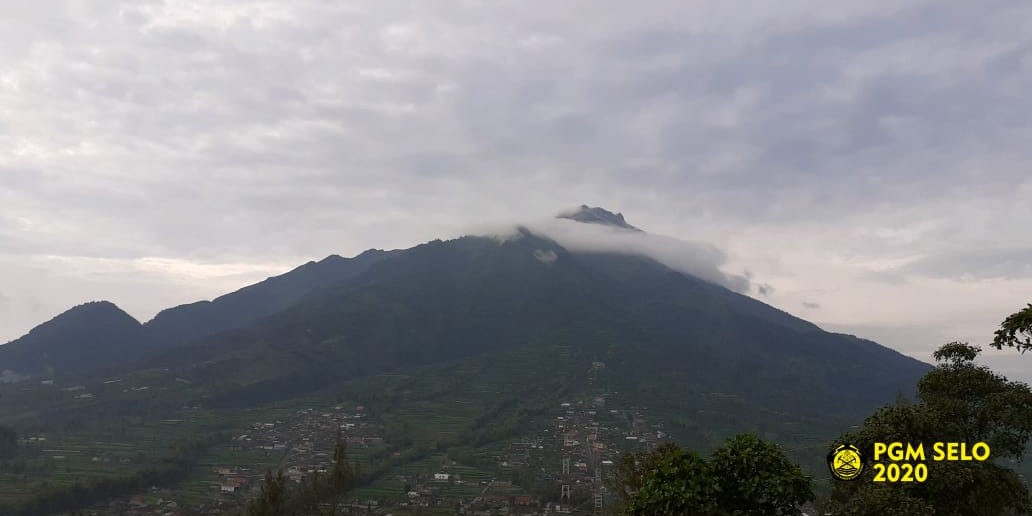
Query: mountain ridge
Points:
[175, 326]
[178, 325]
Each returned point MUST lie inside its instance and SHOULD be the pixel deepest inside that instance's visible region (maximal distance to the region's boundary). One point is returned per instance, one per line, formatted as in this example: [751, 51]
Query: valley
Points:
[502, 442]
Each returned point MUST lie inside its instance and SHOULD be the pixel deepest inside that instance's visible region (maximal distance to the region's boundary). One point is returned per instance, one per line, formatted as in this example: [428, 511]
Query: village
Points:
[563, 468]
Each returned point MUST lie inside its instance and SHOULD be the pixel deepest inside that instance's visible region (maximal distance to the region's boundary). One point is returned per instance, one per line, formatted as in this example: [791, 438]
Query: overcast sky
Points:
[866, 164]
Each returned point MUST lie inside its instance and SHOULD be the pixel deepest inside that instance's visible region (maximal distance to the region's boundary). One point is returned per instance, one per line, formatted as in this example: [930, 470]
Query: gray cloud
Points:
[976, 264]
[811, 306]
[853, 154]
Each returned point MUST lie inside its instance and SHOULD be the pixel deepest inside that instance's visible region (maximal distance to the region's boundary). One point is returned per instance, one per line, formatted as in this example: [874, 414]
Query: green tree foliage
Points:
[883, 500]
[341, 479]
[343, 474]
[631, 468]
[681, 483]
[272, 501]
[972, 402]
[744, 477]
[958, 401]
[1015, 331]
[8, 443]
[756, 478]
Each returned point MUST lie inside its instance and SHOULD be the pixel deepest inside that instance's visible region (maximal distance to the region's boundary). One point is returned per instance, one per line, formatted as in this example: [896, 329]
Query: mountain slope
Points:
[176, 326]
[89, 337]
[664, 333]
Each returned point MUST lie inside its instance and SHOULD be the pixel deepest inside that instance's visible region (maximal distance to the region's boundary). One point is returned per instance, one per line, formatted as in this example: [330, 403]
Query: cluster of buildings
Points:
[576, 454]
[301, 445]
[563, 468]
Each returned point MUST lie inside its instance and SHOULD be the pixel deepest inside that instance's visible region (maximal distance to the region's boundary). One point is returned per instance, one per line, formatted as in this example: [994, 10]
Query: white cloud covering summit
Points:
[698, 259]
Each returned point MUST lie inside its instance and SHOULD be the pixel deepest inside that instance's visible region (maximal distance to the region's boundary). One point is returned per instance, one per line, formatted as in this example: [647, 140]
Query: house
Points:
[525, 500]
[441, 476]
[232, 484]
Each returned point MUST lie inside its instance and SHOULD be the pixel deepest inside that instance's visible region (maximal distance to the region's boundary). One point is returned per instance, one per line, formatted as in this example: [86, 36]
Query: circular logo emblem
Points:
[846, 462]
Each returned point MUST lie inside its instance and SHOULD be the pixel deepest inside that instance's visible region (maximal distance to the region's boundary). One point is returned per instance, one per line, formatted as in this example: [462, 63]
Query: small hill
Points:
[91, 337]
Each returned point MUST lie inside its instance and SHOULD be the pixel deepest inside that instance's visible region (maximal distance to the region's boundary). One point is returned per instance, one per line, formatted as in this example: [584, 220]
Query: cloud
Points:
[698, 259]
[811, 306]
[548, 256]
[976, 264]
[852, 154]
[37, 288]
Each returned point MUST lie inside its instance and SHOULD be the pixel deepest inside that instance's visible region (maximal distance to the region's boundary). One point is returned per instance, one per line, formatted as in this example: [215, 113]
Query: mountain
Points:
[596, 215]
[671, 339]
[340, 319]
[668, 338]
[56, 347]
[457, 352]
[86, 338]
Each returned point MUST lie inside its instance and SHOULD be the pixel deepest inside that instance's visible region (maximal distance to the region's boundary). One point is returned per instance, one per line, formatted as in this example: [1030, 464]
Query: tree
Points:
[971, 402]
[744, 477]
[881, 500]
[272, 501]
[756, 478]
[340, 481]
[680, 483]
[8, 443]
[321, 494]
[958, 401]
[631, 468]
[1015, 331]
